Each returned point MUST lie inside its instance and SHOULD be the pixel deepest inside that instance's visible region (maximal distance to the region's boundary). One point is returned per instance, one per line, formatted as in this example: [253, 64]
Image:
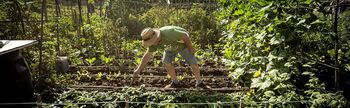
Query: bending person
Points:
[173, 40]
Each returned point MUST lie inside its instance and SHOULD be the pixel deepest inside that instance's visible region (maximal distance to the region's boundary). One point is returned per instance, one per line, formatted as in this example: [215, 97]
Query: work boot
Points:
[172, 85]
[202, 86]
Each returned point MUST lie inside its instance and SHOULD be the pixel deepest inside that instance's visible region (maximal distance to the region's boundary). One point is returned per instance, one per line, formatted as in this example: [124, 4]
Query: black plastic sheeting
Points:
[15, 81]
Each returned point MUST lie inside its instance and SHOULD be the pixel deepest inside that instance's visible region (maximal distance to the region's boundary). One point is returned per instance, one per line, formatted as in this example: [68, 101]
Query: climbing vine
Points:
[273, 47]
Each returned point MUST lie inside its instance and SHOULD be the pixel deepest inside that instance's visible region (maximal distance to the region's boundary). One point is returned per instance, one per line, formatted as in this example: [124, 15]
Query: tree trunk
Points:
[45, 10]
[88, 11]
[101, 4]
[57, 28]
[21, 18]
[336, 44]
[80, 22]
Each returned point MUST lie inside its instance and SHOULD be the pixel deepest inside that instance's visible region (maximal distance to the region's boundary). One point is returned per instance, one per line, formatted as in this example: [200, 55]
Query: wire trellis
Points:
[240, 102]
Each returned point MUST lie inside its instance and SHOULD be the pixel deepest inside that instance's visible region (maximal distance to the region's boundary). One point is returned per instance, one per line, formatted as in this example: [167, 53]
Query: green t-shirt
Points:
[170, 39]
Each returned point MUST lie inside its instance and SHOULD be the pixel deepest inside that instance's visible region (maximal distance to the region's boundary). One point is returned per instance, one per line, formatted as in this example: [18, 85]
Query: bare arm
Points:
[188, 43]
[146, 57]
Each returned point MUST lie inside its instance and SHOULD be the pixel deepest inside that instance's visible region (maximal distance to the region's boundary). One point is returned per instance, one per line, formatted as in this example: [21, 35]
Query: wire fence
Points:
[128, 103]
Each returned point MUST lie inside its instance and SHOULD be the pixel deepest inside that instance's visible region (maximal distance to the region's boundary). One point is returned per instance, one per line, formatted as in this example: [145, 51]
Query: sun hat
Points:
[149, 36]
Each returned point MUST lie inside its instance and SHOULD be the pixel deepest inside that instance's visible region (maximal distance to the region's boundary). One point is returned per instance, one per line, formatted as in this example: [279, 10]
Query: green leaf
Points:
[331, 52]
[257, 74]
[308, 1]
[261, 35]
[91, 1]
[239, 70]
[306, 65]
[284, 76]
[269, 93]
[238, 12]
[91, 61]
[266, 8]
[301, 21]
[273, 72]
[249, 40]
[266, 84]
[274, 41]
[266, 49]
[270, 28]
[318, 22]
[253, 0]
[347, 67]
[307, 73]
[288, 64]
[261, 3]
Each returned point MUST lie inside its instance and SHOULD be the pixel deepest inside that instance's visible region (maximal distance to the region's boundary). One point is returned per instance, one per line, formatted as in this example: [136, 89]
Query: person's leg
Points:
[170, 70]
[192, 61]
[196, 72]
[168, 58]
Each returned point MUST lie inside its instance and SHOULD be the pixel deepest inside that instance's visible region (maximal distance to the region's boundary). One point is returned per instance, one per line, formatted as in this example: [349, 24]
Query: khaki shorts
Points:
[169, 57]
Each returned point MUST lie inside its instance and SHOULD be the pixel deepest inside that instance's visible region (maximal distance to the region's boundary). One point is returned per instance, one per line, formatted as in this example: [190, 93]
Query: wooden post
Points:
[80, 16]
[45, 11]
[335, 23]
[88, 11]
[57, 32]
[59, 7]
[101, 4]
[21, 17]
[241, 103]
[80, 23]
[43, 5]
[77, 27]
[123, 12]
[39, 101]
[127, 101]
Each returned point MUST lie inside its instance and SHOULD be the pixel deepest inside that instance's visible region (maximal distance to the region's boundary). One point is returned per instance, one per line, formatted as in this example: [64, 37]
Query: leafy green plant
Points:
[140, 95]
[121, 62]
[99, 76]
[106, 60]
[267, 43]
[90, 61]
[111, 76]
[83, 73]
[181, 77]
[119, 74]
[137, 61]
[157, 63]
